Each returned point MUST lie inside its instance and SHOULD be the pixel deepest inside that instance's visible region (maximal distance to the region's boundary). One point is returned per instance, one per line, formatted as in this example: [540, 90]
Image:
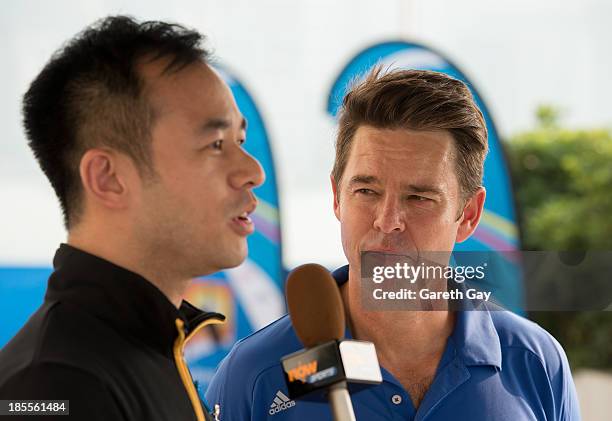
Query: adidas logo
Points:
[280, 403]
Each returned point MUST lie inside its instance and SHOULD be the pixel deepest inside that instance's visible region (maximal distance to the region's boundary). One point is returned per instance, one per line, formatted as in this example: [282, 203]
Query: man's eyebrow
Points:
[221, 124]
[363, 179]
[416, 188]
[422, 188]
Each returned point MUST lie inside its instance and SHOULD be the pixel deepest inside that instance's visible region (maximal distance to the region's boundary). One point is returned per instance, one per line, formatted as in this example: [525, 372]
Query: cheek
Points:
[355, 225]
[189, 201]
[435, 233]
[202, 184]
[436, 214]
[355, 218]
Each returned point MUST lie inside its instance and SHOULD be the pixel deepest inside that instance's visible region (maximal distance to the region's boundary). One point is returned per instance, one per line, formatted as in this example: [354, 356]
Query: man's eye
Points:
[217, 145]
[417, 198]
[366, 192]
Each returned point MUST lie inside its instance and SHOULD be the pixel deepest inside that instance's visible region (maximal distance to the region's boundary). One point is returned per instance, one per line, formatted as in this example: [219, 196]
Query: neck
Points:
[420, 334]
[126, 252]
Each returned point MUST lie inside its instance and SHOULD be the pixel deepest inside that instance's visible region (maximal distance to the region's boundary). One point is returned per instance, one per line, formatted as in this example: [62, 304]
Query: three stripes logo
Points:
[281, 402]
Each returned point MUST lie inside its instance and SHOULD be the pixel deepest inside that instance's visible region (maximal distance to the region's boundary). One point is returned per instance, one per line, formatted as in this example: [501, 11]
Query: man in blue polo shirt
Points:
[407, 178]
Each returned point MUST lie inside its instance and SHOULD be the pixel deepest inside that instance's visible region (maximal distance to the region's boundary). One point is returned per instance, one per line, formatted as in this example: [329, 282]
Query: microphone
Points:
[329, 365]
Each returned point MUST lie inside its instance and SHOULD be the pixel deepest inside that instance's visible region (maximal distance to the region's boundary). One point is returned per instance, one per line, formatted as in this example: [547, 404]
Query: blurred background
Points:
[541, 68]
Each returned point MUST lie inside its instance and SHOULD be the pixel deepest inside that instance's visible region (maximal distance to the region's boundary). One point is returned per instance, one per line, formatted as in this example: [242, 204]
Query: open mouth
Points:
[244, 217]
[243, 224]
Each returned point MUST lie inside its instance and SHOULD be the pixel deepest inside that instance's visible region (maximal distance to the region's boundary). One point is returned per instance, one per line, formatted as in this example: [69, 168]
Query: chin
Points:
[233, 259]
[237, 262]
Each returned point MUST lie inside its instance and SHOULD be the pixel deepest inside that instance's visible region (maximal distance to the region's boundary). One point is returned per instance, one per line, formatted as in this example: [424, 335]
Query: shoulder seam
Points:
[523, 348]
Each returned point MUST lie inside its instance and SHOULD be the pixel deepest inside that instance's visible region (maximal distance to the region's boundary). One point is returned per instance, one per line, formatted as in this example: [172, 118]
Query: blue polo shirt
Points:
[496, 366]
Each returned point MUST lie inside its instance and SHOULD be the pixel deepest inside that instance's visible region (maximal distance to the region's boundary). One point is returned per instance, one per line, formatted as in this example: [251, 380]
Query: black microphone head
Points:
[315, 305]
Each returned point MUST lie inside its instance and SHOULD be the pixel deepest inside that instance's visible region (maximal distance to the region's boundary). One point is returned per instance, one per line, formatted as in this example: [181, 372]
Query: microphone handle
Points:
[340, 401]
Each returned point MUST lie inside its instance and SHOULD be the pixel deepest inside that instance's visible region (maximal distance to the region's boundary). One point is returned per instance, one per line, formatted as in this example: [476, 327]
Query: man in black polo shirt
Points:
[142, 143]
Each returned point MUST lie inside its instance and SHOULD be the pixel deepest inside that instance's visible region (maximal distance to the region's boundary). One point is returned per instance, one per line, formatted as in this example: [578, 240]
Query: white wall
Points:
[594, 390]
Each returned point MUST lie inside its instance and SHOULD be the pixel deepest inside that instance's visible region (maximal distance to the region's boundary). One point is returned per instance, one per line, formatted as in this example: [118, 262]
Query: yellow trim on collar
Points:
[181, 365]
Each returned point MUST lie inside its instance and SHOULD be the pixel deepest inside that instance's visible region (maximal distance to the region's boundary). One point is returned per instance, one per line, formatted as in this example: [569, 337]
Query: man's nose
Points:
[248, 172]
[390, 217]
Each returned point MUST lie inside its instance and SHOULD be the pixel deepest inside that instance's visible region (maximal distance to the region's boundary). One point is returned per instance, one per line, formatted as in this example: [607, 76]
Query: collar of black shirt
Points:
[124, 299]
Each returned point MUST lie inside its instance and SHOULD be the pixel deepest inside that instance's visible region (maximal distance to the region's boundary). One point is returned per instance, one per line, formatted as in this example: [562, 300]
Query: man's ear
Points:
[336, 197]
[102, 181]
[470, 217]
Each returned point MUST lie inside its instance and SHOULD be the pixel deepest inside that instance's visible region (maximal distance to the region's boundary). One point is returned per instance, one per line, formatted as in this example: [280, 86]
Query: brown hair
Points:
[416, 100]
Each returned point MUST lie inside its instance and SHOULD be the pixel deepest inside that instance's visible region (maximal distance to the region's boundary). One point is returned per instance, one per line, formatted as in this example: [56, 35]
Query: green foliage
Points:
[548, 116]
[563, 184]
[586, 336]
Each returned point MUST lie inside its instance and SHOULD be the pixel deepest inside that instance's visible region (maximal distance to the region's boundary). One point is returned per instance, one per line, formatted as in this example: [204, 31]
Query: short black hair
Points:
[90, 94]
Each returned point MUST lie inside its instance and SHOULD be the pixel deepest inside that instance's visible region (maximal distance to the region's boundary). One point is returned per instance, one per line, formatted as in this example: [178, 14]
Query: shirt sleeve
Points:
[565, 398]
[569, 408]
[88, 398]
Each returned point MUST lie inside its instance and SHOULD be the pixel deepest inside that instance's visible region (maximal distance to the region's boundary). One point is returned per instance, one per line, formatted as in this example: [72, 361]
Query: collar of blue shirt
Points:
[475, 337]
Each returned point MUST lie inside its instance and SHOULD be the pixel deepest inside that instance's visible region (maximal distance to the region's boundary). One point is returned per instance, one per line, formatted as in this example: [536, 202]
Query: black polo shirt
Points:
[107, 340]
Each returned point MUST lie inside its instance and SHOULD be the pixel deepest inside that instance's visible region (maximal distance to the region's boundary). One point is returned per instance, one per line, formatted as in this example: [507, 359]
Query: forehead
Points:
[402, 154]
[195, 91]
